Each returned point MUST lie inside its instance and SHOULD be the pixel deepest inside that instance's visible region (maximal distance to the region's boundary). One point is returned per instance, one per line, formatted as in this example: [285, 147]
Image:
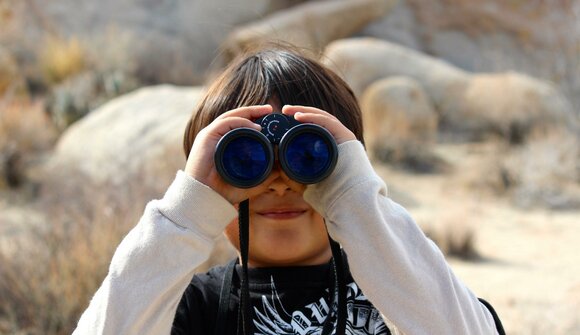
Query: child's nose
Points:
[279, 185]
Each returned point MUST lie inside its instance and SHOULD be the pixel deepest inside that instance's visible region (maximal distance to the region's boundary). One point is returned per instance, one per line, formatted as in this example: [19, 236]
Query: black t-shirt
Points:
[286, 300]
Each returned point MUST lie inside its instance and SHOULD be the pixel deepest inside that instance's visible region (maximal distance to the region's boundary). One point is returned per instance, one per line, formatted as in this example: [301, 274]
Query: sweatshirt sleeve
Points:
[401, 271]
[155, 262]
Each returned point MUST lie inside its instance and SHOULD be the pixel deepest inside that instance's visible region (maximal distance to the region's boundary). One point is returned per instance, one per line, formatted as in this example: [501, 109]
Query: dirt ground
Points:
[528, 267]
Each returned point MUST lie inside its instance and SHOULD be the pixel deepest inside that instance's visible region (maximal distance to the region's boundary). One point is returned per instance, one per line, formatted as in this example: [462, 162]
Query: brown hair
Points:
[278, 73]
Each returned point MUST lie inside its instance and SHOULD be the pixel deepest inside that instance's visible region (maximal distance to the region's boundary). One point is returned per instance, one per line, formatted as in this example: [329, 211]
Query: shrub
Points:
[50, 271]
[62, 58]
[9, 72]
[25, 132]
[453, 232]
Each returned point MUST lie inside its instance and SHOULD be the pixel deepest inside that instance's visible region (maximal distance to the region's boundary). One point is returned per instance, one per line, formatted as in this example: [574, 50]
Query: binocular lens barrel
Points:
[244, 157]
[307, 153]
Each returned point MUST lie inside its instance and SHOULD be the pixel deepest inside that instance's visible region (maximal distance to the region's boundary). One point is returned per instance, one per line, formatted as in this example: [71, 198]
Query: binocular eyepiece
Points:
[306, 152]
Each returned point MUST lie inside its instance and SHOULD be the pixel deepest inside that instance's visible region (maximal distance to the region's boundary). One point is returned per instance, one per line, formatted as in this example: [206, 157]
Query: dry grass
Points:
[25, 133]
[49, 274]
[50, 270]
[9, 72]
[546, 171]
[111, 51]
[62, 58]
[453, 232]
[24, 123]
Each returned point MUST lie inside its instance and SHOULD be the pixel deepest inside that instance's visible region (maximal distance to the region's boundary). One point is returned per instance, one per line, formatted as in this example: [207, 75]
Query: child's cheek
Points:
[232, 233]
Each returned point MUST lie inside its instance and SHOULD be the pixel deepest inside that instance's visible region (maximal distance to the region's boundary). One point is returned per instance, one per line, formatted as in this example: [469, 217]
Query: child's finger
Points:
[291, 110]
[328, 121]
[319, 119]
[248, 112]
[221, 127]
[340, 133]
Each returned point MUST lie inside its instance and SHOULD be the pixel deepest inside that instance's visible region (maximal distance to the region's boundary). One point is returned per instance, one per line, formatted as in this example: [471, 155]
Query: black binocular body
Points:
[306, 152]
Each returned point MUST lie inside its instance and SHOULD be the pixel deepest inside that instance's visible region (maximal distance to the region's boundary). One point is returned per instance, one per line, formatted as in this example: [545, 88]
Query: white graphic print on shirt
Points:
[273, 319]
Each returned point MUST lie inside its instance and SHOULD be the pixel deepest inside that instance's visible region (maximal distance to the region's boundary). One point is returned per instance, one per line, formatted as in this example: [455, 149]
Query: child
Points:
[400, 281]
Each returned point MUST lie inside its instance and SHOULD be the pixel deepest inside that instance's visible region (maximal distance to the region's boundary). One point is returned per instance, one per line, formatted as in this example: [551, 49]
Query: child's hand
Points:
[324, 119]
[200, 164]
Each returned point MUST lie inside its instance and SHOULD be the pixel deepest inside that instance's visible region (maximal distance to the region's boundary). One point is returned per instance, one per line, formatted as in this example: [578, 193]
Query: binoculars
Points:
[306, 152]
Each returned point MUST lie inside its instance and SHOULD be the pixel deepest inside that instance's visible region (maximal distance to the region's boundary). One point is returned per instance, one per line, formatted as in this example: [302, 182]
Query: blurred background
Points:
[471, 111]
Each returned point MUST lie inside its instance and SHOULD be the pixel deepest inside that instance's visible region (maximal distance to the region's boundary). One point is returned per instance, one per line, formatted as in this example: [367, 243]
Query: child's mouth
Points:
[282, 214]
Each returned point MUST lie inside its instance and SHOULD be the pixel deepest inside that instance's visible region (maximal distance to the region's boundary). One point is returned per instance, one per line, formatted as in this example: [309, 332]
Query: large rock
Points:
[311, 25]
[399, 26]
[398, 117]
[361, 61]
[125, 153]
[474, 104]
[532, 37]
[128, 138]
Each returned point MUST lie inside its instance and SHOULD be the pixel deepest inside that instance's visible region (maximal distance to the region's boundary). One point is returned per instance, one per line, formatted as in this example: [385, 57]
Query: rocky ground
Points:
[527, 265]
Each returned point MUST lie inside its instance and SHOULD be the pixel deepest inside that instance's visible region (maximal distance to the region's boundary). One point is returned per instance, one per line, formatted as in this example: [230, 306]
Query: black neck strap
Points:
[340, 286]
[245, 304]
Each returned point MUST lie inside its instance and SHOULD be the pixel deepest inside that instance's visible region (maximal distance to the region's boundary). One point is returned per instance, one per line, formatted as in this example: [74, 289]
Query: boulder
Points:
[362, 61]
[398, 117]
[311, 25]
[129, 139]
[467, 103]
[399, 26]
[122, 155]
[532, 37]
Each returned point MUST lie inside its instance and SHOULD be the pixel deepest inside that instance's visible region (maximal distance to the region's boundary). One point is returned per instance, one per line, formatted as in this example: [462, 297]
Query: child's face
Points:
[284, 229]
